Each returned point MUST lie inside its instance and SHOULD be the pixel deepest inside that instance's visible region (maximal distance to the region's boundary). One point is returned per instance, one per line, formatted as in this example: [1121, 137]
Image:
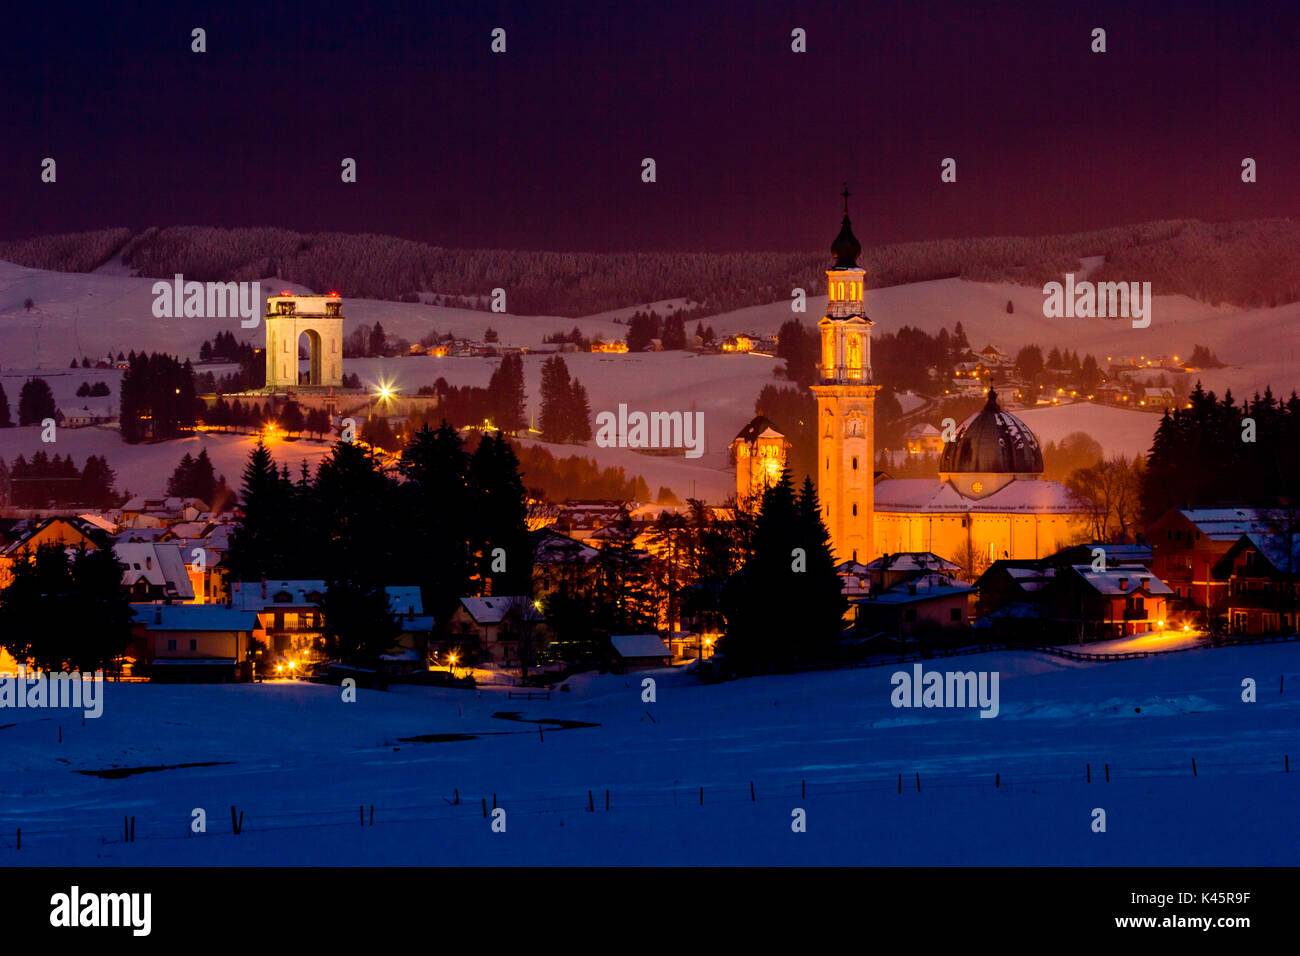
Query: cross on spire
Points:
[846, 195]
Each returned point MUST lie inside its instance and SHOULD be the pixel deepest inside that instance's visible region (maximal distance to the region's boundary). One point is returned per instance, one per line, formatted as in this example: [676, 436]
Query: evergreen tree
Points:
[66, 613]
[625, 601]
[359, 624]
[556, 414]
[6, 421]
[436, 501]
[260, 545]
[785, 604]
[674, 337]
[317, 422]
[353, 513]
[499, 534]
[799, 347]
[579, 413]
[35, 402]
[96, 483]
[291, 418]
[506, 388]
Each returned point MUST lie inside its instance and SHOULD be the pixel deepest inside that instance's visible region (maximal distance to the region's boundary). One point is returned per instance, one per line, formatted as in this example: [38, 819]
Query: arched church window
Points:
[855, 509]
[855, 462]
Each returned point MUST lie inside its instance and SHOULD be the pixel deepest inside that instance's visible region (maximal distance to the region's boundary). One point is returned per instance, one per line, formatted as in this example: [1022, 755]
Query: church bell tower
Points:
[846, 401]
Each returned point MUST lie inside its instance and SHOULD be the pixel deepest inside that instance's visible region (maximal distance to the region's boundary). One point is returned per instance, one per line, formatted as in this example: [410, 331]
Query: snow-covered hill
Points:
[78, 314]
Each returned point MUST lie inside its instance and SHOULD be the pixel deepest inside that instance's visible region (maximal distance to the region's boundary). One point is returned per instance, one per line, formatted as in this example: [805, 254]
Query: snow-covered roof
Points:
[639, 645]
[161, 565]
[1228, 524]
[194, 617]
[555, 547]
[903, 595]
[1280, 550]
[912, 561]
[1019, 495]
[247, 595]
[99, 521]
[1135, 578]
[405, 599]
[491, 610]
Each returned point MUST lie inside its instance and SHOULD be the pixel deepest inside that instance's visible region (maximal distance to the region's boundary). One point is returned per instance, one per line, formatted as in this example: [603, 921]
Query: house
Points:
[562, 563]
[930, 606]
[634, 652]
[28, 534]
[993, 356]
[855, 579]
[86, 415]
[1121, 601]
[161, 512]
[1187, 544]
[289, 620]
[193, 642]
[1010, 583]
[1140, 553]
[291, 623]
[154, 572]
[498, 629]
[1263, 575]
[889, 570]
[24, 535]
[923, 439]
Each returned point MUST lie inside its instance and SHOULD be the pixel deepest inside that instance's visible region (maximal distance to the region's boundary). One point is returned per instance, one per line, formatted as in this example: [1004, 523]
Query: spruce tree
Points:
[436, 502]
[579, 413]
[499, 532]
[557, 397]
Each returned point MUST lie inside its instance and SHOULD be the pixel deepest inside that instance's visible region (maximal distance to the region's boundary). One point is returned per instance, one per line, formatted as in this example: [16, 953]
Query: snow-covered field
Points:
[77, 315]
[298, 762]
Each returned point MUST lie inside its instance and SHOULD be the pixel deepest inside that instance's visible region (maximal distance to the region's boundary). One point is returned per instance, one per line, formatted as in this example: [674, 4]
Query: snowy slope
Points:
[299, 762]
[91, 314]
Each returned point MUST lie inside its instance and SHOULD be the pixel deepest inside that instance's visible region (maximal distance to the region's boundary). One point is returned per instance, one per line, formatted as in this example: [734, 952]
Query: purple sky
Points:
[541, 147]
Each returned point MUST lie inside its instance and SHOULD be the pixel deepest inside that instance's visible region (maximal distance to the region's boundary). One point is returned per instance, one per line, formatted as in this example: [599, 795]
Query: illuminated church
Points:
[990, 500]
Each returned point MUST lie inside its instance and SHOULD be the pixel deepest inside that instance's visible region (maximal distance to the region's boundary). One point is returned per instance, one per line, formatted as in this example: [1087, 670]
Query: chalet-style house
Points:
[1263, 583]
[495, 629]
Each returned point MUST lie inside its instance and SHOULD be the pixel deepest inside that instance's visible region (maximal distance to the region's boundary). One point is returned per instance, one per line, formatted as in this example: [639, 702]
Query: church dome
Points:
[846, 247]
[992, 442]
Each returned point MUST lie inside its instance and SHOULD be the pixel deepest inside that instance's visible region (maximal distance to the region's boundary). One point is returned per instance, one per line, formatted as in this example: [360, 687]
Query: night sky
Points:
[541, 148]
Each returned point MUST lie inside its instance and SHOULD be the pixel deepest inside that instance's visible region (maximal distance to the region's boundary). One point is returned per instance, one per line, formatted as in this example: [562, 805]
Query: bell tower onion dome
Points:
[846, 247]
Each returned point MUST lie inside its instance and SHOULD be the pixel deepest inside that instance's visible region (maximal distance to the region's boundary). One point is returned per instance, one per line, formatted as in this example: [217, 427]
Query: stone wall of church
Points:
[988, 535]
